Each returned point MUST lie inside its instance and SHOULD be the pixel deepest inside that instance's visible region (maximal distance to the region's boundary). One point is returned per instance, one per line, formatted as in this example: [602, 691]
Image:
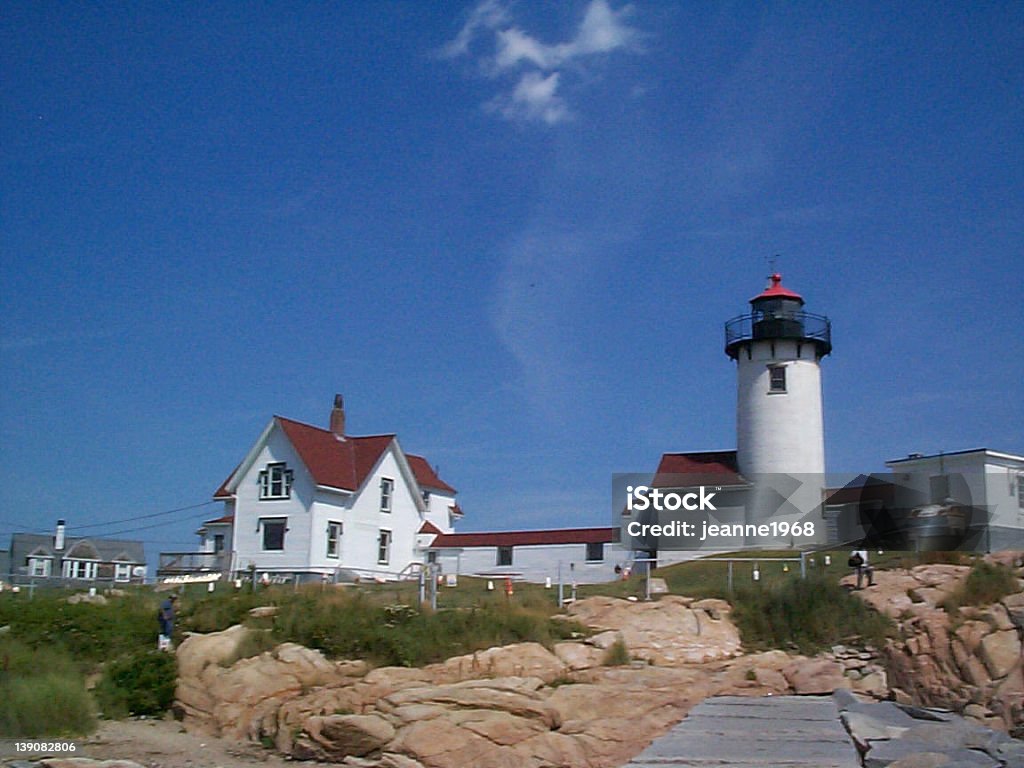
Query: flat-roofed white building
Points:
[576, 555]
[990, 484]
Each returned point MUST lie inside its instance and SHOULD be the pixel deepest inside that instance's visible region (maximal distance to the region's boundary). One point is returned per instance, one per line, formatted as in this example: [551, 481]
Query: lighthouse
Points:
[778, 348]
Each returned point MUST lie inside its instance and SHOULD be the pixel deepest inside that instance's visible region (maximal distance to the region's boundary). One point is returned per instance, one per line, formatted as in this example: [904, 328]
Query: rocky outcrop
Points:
[520, 705]
[970, 662]
[525, 706]
[668, 632]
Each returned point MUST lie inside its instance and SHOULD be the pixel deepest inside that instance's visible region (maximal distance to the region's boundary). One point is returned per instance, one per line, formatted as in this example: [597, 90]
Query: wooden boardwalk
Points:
[769, 732]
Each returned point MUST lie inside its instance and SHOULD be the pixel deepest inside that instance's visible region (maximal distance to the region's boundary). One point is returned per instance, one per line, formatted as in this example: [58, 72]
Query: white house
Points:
[307, 502]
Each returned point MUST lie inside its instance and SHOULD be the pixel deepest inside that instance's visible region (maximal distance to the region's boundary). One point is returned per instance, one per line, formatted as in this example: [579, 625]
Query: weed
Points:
[42, 693]
[617, 654]
[986, 583]
[141, 683]
[354, 625]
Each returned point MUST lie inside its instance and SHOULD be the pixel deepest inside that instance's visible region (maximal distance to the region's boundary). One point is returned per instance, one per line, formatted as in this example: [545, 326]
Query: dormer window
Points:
[387, 488]
[276, 481]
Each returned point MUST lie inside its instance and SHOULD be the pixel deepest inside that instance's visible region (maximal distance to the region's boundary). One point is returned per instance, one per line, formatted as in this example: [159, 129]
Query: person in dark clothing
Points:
[166, 620]
[859, 563]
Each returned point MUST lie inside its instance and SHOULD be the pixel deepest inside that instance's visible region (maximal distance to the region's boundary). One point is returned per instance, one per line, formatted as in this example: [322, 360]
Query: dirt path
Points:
[166, 744]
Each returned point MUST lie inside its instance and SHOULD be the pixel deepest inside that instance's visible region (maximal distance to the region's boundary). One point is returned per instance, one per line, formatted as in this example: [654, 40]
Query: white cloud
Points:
[515, 46]
[540, 66]
[534, 98]
[602, 31]
[488, 15]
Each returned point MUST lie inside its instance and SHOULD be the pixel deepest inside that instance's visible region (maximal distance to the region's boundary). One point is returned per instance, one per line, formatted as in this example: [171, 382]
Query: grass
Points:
[356, 625]
[52, 645]
[88, 632]
[140, 683]
[806, 615]
[617, 654]
[986, 583]
[42, 693]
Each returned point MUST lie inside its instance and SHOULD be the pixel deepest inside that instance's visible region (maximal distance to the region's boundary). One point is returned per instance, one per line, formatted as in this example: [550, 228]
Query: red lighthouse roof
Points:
[777, 291]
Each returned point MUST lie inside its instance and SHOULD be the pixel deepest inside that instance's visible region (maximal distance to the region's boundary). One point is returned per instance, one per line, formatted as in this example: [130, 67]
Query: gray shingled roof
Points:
[106, 550]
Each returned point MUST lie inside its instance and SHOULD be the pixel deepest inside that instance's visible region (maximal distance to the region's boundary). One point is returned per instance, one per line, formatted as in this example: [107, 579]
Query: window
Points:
[432, 557]
[333, 539]
[777, 378]
[122, 572]
[504, 555]
[387, 487]
[39, 566]
[273, 532]
[276, 481]
[384, 547]
[79, 569]
[218, 542]
[595, 552]
[1020, 490]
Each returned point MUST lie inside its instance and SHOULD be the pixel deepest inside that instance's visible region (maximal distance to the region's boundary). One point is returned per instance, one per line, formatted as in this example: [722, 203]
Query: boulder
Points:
[816, 676]
[668, 632]
[1001, 652]
[577, 656]
[1014, 605]
[198, 651]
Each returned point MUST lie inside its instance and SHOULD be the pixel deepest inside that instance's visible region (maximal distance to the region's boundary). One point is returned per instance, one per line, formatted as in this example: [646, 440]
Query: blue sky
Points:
[509, 232]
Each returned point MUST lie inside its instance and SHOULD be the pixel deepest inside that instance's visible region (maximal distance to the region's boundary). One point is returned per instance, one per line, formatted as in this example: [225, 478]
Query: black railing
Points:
[798, 326]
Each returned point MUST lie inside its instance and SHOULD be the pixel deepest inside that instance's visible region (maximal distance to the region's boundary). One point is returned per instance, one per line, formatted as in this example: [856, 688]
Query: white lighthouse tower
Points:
[778, 348]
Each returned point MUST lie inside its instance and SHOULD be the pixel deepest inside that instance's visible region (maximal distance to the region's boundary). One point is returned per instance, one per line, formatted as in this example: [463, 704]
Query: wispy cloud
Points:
[530, 70]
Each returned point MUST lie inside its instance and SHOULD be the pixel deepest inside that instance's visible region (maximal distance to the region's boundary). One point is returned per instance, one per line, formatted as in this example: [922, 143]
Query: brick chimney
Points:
[338, 416]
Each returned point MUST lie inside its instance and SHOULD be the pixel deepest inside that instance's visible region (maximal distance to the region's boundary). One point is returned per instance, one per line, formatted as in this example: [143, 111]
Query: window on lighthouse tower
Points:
[777, 378]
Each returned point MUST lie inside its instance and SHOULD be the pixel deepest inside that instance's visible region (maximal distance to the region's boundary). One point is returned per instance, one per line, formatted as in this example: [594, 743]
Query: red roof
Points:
[336, 462]
[428, 527]
[425, 474]
[223, 492]
[221, 520]
[332, 461]
[525, 538]
[700, 468]
[776, 291]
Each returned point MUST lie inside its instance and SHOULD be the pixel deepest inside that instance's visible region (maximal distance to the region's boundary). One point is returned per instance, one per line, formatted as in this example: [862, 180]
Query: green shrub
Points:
[140, 683]
[89, 632]
[617, 654]
[807, 614]
[986, 583]
[42, 693]
[353, 625]
[220, 610]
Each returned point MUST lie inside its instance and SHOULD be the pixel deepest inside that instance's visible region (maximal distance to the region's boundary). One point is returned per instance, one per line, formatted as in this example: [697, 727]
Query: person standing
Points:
[859, 562]
[165, 618]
